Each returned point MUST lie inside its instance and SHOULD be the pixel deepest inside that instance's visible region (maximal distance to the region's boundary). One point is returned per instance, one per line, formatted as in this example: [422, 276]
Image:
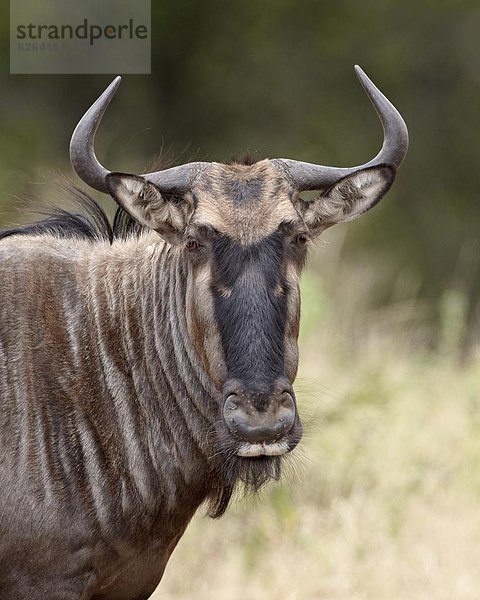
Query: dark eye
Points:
[300, 240]
[192, 245]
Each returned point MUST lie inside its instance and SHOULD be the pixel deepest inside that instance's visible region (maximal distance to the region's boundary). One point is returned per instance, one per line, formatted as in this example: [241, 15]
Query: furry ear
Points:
[144, 202]
[348, 198]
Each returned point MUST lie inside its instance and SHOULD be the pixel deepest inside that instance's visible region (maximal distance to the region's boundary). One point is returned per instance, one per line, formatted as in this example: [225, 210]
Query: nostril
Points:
[287, 400]
[232, 402]
[285, 411]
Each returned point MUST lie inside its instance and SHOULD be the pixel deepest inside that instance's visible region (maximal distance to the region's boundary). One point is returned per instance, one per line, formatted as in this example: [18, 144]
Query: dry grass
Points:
[382, 502]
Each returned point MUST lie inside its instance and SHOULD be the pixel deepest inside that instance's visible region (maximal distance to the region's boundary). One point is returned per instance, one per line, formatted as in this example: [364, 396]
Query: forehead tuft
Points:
[245, 202]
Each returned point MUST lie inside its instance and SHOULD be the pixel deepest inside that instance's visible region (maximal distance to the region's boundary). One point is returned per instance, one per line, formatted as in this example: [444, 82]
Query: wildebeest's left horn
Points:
[86, 165]
[308, 176]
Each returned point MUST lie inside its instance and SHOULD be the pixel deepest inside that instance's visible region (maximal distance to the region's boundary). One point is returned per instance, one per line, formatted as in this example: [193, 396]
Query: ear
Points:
[144, 202]
[348, 198]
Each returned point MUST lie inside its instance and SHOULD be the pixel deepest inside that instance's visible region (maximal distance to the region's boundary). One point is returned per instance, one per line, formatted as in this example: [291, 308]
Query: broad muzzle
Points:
[258, 414]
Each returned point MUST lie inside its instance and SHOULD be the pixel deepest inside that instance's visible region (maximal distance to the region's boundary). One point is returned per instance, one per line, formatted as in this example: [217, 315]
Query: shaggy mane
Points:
[89, 222]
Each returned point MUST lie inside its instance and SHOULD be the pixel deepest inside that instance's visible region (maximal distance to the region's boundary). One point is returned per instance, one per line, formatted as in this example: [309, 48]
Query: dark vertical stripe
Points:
[251, 315]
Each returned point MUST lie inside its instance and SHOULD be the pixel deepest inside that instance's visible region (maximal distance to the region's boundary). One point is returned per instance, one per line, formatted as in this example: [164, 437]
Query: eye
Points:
[192, 245]
[300, 240]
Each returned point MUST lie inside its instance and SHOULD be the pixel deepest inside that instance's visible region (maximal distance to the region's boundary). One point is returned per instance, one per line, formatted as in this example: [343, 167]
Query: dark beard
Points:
[247, 475]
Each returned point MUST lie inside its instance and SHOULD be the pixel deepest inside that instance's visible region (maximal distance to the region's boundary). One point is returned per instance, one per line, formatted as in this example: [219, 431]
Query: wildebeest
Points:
[146, 367]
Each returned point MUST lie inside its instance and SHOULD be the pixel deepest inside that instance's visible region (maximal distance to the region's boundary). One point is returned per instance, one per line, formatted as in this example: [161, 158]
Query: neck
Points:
[163, 400]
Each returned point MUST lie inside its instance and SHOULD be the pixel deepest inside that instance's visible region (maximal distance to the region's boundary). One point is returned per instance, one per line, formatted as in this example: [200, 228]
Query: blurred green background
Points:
[383, 499]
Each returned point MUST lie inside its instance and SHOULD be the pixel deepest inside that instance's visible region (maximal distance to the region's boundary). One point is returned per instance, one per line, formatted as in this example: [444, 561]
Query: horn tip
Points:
[360, 73]
[116, 82]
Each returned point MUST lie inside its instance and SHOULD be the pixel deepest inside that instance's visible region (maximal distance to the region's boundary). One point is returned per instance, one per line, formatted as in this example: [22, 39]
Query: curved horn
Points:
[82, 152]
[87, 167]
[308, 176]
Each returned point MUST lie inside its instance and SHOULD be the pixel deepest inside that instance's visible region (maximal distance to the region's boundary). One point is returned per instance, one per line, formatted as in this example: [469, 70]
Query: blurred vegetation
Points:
[275, 78]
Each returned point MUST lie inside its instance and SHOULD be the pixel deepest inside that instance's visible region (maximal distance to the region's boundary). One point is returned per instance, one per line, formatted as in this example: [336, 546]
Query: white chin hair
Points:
[263, 449]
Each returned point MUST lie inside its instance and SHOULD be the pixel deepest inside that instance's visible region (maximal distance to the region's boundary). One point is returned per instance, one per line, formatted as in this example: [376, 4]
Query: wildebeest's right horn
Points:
[308, 176]
[86, 165]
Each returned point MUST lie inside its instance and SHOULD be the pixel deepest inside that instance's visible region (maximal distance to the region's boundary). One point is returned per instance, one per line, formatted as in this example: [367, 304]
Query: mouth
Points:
[250, 450]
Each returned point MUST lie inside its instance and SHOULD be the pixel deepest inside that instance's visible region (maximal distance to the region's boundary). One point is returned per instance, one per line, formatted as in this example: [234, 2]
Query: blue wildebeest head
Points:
[243, 231]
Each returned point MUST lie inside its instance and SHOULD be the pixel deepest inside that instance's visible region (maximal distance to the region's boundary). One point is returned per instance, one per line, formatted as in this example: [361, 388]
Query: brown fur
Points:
[245, 202]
